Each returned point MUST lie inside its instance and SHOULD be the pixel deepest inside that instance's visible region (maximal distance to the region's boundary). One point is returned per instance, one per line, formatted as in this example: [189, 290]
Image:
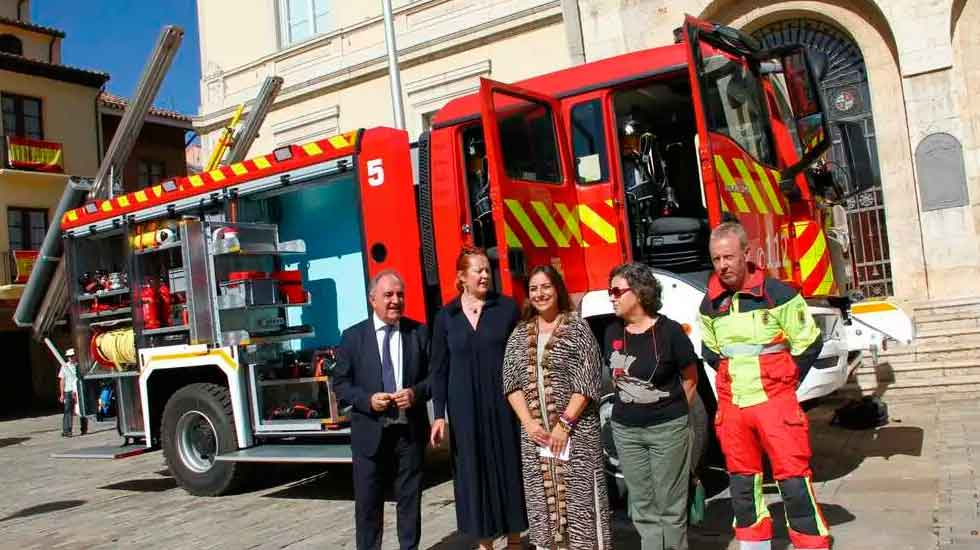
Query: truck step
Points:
[322, 454]
[106, 452]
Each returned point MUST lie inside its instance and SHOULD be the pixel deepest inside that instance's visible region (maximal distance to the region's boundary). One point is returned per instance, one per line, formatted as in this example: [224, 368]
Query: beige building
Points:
[900, 69]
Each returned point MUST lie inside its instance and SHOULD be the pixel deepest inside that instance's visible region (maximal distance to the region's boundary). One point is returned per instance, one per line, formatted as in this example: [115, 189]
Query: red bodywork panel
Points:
[605, 73]
[389, 213]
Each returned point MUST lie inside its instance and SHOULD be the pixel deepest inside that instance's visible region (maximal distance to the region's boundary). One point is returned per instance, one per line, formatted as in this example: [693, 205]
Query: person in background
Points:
[654, 371]
[382, 370]
[68, 394]
[552, 378]
[758, 334]
[468, 340]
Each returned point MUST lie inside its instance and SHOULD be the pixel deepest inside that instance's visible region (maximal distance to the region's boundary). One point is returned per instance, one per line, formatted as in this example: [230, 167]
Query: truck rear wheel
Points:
[198, 424]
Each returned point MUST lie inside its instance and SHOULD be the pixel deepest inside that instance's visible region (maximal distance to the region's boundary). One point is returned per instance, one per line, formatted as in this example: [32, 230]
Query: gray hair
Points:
[373, 283]
[731, 229]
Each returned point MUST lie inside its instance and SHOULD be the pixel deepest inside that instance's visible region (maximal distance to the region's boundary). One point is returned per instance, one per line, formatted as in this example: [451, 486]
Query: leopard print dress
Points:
[567, 502]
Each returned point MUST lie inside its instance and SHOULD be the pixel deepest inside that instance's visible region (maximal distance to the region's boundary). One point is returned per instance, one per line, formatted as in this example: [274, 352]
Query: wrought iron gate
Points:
[848, 99]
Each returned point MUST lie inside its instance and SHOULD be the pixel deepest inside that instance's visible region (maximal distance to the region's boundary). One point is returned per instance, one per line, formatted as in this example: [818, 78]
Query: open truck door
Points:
[751, 169]
[532, 186]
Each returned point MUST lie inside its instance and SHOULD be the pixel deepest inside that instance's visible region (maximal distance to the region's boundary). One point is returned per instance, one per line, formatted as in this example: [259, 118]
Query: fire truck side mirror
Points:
[860, 174]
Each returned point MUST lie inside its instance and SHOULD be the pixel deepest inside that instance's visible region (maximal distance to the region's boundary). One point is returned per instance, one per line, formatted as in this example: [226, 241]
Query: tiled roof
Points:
[119, 103]
[32, 27]
[65, 73]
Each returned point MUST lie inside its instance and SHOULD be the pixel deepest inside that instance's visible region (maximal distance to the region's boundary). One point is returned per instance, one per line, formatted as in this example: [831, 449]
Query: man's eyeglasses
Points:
[616, 292]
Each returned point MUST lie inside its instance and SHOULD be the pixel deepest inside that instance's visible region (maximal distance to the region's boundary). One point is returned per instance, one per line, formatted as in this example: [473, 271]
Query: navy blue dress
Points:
[467, 371]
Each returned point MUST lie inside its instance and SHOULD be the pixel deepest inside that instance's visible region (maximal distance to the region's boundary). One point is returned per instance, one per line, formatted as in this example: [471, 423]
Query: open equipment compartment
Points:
[101, 311]
[288, 281]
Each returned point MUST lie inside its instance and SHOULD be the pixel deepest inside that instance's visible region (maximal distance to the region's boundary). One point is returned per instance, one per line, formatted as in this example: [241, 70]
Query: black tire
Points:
[202, 415]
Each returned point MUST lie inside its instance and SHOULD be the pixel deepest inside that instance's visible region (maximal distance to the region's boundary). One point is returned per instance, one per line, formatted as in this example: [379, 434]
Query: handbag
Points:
[695, 513]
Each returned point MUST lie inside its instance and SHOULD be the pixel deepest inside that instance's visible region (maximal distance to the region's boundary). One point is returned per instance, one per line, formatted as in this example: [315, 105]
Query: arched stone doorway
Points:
[847, 97]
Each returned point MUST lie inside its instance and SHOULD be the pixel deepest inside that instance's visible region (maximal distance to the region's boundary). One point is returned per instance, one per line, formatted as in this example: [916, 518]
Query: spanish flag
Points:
[34, 154]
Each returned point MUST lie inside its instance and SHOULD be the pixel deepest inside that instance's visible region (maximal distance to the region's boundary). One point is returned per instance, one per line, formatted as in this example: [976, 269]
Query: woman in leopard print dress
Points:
[552, 379]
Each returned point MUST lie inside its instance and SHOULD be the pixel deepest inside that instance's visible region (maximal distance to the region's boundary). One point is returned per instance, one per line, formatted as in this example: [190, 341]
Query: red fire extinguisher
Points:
[165, 303]
[148, 303]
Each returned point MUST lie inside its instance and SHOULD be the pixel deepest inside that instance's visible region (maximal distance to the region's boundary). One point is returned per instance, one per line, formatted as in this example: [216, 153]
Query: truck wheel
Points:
[198, 424]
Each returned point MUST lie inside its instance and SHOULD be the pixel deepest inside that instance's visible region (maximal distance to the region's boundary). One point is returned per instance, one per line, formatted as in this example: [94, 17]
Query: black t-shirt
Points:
[649, 393]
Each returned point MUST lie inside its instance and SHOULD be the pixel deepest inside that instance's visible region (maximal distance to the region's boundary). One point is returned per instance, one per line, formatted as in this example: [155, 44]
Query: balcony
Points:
[32, 155]
[16, 266]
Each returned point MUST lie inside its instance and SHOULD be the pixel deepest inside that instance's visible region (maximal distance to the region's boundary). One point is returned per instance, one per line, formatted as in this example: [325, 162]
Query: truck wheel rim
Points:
[197, 441]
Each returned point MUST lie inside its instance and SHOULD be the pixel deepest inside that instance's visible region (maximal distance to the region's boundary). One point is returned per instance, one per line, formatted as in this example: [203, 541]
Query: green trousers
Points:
[656, 467]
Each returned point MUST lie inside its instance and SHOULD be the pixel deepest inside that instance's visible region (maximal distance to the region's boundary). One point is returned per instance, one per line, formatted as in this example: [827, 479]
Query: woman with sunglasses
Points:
[552, 376]
[468, 340]
[654, 370]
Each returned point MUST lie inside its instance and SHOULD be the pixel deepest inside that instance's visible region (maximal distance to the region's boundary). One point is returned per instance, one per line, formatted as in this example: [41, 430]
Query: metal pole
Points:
[398, 111]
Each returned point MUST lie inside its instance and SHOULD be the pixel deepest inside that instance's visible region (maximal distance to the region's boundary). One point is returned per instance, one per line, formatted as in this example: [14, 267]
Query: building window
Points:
[21, 116]
[303, 19]
[11, 44]
[150, 172]
[26, 227]
[589, 142]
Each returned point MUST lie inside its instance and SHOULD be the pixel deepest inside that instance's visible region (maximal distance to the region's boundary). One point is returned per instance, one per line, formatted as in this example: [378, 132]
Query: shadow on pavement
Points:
[144, 485]
[45, 508]
[336, 481]
[838, 451]
[8, 441]
[459, 541]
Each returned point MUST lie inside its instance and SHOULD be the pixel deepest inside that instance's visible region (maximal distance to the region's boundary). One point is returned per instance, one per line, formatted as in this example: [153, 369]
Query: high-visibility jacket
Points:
[761, 339]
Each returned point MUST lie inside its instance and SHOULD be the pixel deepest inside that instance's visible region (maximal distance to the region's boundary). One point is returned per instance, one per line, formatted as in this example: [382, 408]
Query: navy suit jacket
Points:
[357, 376]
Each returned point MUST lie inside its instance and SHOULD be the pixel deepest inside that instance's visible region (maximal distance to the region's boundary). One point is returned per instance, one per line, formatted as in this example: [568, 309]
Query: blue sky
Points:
[117, 37]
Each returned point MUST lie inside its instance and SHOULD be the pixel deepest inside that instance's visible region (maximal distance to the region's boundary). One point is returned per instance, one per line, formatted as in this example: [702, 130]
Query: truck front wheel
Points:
[198, 424]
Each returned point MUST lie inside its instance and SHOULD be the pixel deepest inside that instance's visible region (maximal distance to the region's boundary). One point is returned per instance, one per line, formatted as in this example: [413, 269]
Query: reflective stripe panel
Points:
[752, 350]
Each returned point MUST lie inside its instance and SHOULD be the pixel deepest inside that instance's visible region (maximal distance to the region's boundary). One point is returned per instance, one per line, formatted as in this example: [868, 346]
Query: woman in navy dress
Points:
[468, 341]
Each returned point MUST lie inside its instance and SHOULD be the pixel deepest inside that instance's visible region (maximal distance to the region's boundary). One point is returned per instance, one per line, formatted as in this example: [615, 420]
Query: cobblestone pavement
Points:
[910, 485]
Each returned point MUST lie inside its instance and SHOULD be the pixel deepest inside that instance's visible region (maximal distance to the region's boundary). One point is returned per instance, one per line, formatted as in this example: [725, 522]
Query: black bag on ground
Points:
[863, 414]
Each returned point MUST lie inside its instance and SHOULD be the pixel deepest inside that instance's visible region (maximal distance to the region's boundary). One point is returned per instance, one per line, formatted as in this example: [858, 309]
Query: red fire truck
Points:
[211, 302]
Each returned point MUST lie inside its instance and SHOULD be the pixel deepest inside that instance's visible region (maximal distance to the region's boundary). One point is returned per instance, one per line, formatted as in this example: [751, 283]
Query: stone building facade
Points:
[902, 69]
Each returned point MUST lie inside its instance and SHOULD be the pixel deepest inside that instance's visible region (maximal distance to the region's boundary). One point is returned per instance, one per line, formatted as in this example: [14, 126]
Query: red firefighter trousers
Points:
[779, 428]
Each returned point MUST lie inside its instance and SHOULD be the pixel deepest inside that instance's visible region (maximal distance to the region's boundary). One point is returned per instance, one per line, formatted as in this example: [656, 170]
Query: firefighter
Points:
[759, 336]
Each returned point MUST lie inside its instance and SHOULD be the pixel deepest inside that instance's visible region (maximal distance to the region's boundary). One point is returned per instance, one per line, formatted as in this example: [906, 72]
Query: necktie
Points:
[387, 365]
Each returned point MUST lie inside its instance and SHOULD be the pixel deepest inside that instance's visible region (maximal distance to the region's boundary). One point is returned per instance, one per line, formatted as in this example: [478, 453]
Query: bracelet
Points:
[567, 422]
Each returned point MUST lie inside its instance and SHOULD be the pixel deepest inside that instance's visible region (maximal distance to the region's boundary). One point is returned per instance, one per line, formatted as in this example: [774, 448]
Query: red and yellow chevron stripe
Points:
[208, 182]
[540, 224]
[816, 272]
[748, 187]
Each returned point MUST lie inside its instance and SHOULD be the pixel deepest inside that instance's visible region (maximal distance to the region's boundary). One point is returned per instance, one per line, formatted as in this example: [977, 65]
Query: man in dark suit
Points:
[382, 370]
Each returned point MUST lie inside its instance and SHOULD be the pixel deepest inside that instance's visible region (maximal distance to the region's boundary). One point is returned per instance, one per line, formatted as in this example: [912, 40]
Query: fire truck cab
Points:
[635, 158]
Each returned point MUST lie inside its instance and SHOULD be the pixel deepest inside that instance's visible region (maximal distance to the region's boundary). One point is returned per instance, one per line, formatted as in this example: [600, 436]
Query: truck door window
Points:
[785, 111]
[589, 142]
[735, 106]
[528, 140]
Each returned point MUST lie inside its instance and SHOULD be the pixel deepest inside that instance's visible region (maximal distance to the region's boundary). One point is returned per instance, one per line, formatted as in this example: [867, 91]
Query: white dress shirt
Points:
[396, 357]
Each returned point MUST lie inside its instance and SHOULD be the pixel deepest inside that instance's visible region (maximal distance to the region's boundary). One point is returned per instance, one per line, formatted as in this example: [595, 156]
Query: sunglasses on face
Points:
[616, 292]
